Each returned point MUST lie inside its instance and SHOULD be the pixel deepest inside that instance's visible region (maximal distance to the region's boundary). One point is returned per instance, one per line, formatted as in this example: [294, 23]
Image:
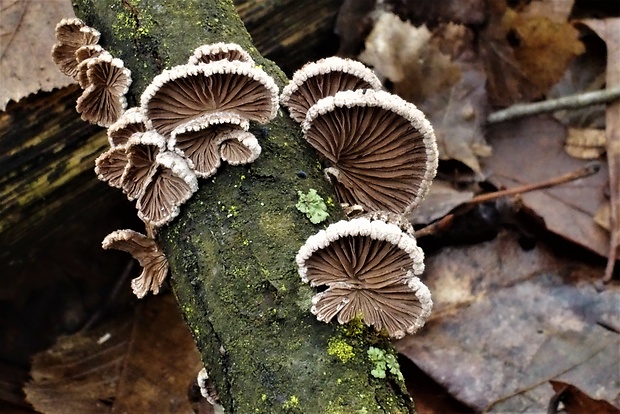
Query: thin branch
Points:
[567, 102]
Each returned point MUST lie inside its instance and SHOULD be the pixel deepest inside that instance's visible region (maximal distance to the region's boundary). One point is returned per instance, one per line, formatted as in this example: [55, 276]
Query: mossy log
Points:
[47, 152]
[232, 249]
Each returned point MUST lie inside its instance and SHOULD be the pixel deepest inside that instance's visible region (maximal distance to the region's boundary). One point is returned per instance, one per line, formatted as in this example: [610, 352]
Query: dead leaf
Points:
[524, 54]
[440, 200]
[26, 39]
[505, 321]
[577, 402]
[555, 10]
[530, 150]
[437, 72]
[469, 12]
[142, 363]
[585, 143]
[608, 31]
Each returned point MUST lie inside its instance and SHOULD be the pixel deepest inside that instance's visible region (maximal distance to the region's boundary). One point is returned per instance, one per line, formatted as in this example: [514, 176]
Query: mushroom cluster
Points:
[105, 79]
[380, 154]
[190, 119]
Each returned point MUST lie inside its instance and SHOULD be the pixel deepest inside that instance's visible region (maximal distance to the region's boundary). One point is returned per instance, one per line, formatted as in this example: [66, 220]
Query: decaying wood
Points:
[232, 249]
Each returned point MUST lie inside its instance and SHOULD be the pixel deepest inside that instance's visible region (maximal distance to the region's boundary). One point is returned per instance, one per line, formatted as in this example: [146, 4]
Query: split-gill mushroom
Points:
[82, 55]
[200, 139]
[379, 149]
[326, 77]
[103, 101]
[71, 34]
[133, 120]
[142, 149]
[110, 166]
[171, 183]
[239, 147]
[186, 92]
[370, 268]
[147, 252]
[219, 51]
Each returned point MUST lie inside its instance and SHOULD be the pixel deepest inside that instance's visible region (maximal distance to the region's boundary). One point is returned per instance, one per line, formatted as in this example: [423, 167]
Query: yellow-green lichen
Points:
[291, 402]
[341, 349]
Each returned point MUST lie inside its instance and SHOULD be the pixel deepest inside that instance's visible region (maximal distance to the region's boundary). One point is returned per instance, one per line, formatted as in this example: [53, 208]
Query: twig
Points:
[567, 102]
[586, 171]
[436, 227]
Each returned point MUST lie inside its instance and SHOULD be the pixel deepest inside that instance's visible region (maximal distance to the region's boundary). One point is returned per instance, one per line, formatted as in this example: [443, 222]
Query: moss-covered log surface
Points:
[232, 249]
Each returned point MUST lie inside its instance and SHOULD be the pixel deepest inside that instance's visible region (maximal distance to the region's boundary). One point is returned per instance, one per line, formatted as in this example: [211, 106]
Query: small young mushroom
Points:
[71, 34]
[200, 139]
[133, 120]
[171, 183]
[142, 149]
[380, 150]
[110, 166]
[147, 252]
[207, 389]
[103, 101]
[317, 80]
[369, 268]
[186, 92]
[239, 147]
[219, 51]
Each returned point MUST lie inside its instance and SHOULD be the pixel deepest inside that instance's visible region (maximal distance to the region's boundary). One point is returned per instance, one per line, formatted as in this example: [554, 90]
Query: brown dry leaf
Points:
[506, 321]
[435, 71]
[469, 12]
[608, 31]
[531, 150]
[26, 39]
[142, 363]
[577, 402]
[525, 54]
[440, 200]
[585, 143]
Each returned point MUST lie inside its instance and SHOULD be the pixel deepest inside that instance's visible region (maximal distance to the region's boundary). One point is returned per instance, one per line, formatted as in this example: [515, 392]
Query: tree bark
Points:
[232, 249]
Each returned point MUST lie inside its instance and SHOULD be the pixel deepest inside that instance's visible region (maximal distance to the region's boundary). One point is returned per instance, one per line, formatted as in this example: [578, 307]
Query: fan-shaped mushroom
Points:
[110, 166]
[133, 120]
[380, 150]
[170, 184]
[103, 101]
[147, 252]
[186, 92]
[370, 270]
[71, 34]
[142, 149]
[317, 80]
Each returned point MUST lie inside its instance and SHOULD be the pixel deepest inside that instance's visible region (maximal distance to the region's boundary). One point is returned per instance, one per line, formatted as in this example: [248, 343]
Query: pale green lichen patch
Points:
[312, 205]
[383, 363]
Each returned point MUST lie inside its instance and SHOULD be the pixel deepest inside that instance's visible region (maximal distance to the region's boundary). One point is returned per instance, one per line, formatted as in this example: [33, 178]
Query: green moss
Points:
[341, 349]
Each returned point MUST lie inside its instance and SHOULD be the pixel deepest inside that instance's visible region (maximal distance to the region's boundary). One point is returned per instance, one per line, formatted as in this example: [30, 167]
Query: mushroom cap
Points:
[380, 149]
[71, 34]
[142, 150]
[147, 252]
[370, 270]
[186, 92]
[317, 80]
[200, 139]
[171, 183]
[219, 51]
[239, 147]
[110, 166]
[103, 101]
[82, 55]
[131, 121]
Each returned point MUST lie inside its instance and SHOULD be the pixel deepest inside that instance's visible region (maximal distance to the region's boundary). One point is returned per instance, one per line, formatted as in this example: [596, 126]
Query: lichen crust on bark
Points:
[232, 249]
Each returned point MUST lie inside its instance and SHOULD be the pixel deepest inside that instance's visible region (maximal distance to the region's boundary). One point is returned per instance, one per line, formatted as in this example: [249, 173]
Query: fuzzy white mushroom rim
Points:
[370, 269]
[147, 252]
[317, 80]
[186, 92]
[133, 120]
[219, 51]
[380, 150]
